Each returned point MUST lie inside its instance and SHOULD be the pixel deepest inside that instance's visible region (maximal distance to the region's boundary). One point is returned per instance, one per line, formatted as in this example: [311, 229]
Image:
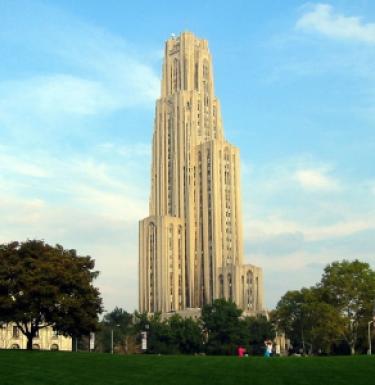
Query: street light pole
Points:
[369, 331]
[112, 338]
[112, 341]
[144, 338]
[369, 337]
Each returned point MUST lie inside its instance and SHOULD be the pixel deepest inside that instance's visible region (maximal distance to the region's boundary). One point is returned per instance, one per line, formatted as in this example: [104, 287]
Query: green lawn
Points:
[49, 368]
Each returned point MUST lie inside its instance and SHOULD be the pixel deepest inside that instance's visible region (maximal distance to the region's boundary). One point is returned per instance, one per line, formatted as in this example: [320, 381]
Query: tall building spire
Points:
[190, 248]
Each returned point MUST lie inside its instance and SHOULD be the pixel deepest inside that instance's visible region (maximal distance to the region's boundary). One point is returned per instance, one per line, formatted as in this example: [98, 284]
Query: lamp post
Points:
[369, 337]
[112, 338]
[144, 338]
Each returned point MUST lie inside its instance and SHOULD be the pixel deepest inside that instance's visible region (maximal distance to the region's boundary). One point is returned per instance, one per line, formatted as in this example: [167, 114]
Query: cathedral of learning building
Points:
[190, 245]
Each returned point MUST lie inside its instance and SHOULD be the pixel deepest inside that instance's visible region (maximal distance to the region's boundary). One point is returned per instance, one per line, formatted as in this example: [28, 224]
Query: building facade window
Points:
[152, 264]
[15, 332]
[221, 285]
[230, 288]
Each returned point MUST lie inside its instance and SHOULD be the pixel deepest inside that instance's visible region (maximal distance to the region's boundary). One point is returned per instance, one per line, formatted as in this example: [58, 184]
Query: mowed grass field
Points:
[50, 368]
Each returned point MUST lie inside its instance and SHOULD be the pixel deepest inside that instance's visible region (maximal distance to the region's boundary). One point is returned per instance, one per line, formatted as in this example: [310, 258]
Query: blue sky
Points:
[296, 80]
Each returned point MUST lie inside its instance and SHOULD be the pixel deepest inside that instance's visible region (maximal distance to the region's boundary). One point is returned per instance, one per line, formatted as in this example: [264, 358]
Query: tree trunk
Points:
[352, 349]
[29, 345]
[303, 341]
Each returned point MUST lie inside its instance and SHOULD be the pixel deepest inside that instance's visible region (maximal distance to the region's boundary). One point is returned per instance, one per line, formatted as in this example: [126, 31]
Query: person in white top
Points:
[268, 350]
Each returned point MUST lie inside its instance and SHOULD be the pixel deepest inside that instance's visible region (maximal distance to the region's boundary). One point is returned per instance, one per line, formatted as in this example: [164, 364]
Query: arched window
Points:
[205, 70]
[170, 239]
[196, 76]
[152, 263]
[15, 346]
[152, 241]
[249, 278]
[230, 288]
[176, 75]
[54, 347]
[249, 283]
[170, 146]
[36, 347]
[171, 266]
[221, 283]
[205, 82]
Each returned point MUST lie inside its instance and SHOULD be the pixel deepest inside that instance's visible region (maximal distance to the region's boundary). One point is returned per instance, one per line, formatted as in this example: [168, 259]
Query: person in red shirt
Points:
[241, 351]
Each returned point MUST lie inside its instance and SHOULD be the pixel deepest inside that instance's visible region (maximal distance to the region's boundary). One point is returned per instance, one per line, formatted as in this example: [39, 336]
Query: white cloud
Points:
[323, 18]
[97, 73]
[300, 171]
[127, 150]
[91, 201]
[340, 229]
[315, 180]
[50, 99]
[11, 164]
[299, 216]
[299, 251]
[267, 228]
[264, 228]
[65, 94]
[370, 186]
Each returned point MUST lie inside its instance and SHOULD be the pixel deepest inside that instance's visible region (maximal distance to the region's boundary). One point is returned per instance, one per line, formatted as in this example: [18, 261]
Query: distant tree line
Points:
[219, 331]
[329, 318]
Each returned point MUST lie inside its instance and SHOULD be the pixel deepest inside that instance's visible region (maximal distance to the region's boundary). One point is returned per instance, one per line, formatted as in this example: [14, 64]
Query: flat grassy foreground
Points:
[50, 368]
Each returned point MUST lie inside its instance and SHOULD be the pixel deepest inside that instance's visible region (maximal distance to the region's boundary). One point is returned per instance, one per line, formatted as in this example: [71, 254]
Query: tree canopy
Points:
[221, 322]
[172, 335]
[350, 288]
[335, 310]
[119, 324]
[226, 329]
[43, 285]
[309, 322]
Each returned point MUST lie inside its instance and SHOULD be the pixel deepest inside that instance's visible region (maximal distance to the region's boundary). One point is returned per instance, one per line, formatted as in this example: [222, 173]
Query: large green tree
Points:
[258, 329]
[186, 334]
[310, 323]
[170, 336]
[159, 336]
[120, 323]
[223, 327]
[333, 312]
[43, 285]
[350, 288]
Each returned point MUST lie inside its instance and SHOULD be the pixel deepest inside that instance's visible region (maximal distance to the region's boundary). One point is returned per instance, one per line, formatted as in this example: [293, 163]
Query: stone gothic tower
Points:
[190, 247]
